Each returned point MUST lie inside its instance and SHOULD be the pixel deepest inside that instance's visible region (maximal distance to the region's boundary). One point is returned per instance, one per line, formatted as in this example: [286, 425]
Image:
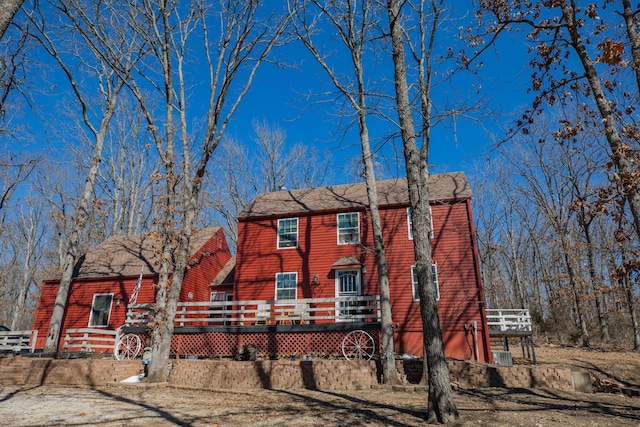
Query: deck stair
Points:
[511, 323]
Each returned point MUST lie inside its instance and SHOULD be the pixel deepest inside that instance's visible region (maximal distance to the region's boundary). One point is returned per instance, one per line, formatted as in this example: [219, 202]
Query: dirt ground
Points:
[142, 404]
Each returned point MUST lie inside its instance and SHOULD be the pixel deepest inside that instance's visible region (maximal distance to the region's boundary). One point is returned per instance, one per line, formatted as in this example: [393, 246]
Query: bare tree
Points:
[354, 23]
[92, 28]
[31, 229]
[125, 183]
[13, 58]
[13, 172]
[8, 9]
[232, 49]
[269, 164]
[441, 407]
[562, 30]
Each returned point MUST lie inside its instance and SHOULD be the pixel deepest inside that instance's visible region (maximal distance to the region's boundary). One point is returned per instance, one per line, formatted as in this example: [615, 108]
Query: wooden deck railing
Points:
[90, 340]
[17, 341]
[509, 321]
[256, 312]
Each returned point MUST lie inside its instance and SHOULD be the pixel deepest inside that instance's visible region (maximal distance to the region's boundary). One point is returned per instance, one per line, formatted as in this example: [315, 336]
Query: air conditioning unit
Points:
[502, 358]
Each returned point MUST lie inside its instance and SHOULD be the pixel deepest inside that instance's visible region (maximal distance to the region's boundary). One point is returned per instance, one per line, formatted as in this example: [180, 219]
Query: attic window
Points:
[288, 233]
[349, 228]
[100, 310]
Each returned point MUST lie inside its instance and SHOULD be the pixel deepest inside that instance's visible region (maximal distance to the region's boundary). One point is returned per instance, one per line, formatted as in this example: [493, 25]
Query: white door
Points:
[219, 311]
[347, 285]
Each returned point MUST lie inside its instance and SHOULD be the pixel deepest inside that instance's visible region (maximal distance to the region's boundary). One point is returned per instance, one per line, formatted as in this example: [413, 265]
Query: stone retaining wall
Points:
[318, 374]
[281, 374]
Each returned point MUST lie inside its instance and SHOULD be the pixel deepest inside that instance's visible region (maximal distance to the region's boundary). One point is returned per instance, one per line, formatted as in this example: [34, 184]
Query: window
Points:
[288, 233]
[414, 282]
[100, 310]
[410, 222]
[348, 228]
[286, 285]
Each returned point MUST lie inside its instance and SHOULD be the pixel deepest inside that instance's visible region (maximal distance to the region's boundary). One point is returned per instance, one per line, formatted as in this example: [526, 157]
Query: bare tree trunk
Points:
[99, 47]
[441, 407]
[246, 35]
[596, 285]
[354, 37]
[8, 9]
[631, 304]
[632, 307]
[582, 323]
[619, 153]
[30, 237]
[630, 20]
[71, 254]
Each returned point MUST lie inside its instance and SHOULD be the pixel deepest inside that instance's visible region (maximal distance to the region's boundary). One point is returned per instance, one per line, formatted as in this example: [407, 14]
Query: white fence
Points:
[17, 341]
[269, 312]
[509, 320]
[90, 340]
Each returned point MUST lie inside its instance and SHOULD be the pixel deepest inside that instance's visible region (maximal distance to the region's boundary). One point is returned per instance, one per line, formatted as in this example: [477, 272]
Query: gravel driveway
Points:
[147, 405]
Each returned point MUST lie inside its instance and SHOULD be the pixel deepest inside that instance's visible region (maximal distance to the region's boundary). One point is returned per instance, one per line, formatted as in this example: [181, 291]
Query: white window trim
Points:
[278, 233]
[410, 222]
[93, 301]
[275, 295]
[414, 282]
[358, 275]
[338, 228]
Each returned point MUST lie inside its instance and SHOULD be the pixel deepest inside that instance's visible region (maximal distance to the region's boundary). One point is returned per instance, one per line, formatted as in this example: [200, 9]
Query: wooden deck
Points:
[512, 323]
[306, 311]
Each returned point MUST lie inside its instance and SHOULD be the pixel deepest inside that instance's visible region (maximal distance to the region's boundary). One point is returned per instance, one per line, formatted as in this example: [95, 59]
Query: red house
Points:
[317, 244]
[107, 275]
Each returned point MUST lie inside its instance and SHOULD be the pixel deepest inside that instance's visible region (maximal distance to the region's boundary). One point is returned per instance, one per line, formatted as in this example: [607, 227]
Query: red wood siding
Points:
[204, 265]
[258, 261]
[81, 298]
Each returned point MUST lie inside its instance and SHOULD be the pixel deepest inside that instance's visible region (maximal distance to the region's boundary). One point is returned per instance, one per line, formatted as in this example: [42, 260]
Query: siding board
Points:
[258, 260]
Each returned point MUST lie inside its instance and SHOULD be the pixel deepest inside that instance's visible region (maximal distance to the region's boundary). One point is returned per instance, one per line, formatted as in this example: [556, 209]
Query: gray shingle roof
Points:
[390, 192]
[226, 275]
[125, 255]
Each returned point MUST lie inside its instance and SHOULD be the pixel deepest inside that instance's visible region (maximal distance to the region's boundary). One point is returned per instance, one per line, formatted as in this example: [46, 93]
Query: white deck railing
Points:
[17, 341]
[90, 340]
[268, 312]
[509, 320]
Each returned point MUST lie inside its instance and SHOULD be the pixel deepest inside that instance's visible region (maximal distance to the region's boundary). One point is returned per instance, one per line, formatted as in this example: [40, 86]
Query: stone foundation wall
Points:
[319, 374]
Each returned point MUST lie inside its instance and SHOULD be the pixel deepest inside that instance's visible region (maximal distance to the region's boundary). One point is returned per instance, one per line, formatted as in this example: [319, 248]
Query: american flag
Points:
[134, 295]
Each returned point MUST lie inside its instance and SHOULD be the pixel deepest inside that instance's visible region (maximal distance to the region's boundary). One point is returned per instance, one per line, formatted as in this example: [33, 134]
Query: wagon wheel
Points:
[358, 345]
[128, 347]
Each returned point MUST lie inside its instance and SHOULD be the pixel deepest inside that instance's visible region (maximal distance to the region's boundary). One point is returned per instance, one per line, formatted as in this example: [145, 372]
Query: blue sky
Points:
[276, 97]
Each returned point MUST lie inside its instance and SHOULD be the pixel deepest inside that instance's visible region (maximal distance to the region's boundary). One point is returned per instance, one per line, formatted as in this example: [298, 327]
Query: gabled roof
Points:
[126, 255]
[226, 275]
[446, 186]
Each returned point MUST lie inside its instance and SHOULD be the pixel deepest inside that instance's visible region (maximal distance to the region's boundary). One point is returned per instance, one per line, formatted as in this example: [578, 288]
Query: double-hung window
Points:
[286, 286]
[414, 282]
[100, 310]
[410, 222]
[348, 228]
[288, 233]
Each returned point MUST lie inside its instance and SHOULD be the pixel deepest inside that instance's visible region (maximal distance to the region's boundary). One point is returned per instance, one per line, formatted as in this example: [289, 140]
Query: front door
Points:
[347, 285]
